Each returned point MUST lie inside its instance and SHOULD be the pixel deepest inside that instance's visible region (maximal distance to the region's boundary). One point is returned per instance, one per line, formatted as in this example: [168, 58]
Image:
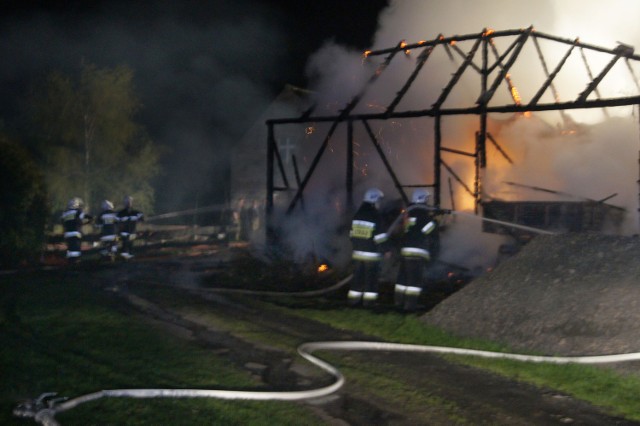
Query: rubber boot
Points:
[369, 299]
[411, 297]
[354, 298]
[398, 296]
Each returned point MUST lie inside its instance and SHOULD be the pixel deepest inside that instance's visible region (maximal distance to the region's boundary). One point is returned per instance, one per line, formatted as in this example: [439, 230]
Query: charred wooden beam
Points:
[448, 50]
[486, 96]
[437, 160]
[283, 174]
[400, 47]
[550, 76]
[456, 76]
[628, 53]
[418, 185]
[586, 64]
[513, 92]
[565, 194]
[593, 85]
[458, 179]
[344, 114]
[422, 59]
[633, 75]
[297, 176]
[465, 56]
[456, 151]
[599, 103]
[383, 157]
[448, 40]
[312, 167]
[500, 58]
[499, 148]
[503, 33]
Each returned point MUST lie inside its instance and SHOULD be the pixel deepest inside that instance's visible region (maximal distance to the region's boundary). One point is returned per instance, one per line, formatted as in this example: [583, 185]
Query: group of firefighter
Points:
[417, 229]
[115, 228]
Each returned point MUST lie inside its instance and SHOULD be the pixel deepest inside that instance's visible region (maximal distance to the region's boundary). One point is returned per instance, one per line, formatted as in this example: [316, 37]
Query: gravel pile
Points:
[571, 294]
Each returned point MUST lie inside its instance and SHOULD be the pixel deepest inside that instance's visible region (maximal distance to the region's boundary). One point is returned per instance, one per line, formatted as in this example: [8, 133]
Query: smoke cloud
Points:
[203, 70]
[583, 153]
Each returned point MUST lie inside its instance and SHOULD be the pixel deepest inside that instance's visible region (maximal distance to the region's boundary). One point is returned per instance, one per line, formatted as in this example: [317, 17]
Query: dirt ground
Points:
[473, 396]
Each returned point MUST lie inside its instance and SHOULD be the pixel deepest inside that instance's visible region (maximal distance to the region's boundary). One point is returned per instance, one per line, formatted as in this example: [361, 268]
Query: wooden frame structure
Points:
[493, 70]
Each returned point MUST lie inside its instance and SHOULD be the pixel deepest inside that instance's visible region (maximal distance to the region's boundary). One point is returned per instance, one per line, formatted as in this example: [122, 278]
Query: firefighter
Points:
[106, 222]
[128, 219]
[367, 239]
[73, 218]
[420, 226]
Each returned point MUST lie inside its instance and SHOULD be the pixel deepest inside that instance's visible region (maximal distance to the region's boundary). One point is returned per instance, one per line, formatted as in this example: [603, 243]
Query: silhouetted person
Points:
[107, 222]
[367, 238]
[73, 218]
[418, 229]
[128, 219]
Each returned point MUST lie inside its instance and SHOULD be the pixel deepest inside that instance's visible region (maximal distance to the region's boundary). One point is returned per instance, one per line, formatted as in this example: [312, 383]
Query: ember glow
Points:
[553, 149]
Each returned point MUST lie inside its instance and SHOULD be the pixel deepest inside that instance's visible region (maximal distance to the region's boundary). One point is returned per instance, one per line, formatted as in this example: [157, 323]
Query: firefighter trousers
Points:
[364, 284]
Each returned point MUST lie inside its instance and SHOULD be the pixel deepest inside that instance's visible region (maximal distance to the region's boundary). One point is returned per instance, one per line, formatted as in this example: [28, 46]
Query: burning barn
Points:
[429, 120]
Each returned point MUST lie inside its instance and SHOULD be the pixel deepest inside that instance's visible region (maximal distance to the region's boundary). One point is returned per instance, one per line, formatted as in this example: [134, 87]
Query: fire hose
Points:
[44, 408]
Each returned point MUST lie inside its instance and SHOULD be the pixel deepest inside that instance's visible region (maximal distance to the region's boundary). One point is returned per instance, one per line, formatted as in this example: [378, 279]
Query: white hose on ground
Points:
[45, 414]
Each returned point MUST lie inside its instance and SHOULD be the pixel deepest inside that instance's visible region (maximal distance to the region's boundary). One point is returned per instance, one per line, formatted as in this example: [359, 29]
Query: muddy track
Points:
[450, 393]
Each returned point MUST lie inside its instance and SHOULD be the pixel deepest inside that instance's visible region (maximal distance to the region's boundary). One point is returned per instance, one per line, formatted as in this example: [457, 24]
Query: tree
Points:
[88, 141]
[24, 205]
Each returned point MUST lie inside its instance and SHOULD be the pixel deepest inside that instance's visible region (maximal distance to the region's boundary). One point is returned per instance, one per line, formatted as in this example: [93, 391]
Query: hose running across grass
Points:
[44, 409]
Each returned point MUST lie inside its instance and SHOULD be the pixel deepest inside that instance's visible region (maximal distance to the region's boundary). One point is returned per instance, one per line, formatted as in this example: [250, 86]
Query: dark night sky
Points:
[204, 70]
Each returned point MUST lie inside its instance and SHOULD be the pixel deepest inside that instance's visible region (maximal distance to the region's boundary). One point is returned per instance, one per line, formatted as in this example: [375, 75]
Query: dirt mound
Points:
[571, 294]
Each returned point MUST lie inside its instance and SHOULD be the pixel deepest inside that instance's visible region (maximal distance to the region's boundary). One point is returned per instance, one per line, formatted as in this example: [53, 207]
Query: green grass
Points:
[602, 387]
[58, 334]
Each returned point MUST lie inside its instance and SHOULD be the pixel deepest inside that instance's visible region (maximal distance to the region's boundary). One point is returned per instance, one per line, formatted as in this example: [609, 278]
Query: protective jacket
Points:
[107, 221]
[419, 226]
[127, 221]
[72, 221]
[367, 235]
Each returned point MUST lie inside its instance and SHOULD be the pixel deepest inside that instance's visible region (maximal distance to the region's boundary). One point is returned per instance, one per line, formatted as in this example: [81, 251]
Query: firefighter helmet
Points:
[75, 203]
[420, 196]
[373, 195]
[107, 205]
[128, 201]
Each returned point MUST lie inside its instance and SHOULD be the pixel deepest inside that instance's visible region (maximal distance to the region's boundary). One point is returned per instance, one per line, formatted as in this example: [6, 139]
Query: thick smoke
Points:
[203, 71]
[584, 154]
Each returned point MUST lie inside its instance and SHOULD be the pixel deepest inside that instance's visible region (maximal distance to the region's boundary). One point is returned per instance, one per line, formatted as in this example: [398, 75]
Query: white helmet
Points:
[373, 195]
[420, 196]
[128, 201]
[74, 203]
[107, 205]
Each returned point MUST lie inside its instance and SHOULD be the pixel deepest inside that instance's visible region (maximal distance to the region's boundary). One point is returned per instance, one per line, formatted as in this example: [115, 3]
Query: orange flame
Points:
[323, 267]
[516, 95]
[366, 53]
